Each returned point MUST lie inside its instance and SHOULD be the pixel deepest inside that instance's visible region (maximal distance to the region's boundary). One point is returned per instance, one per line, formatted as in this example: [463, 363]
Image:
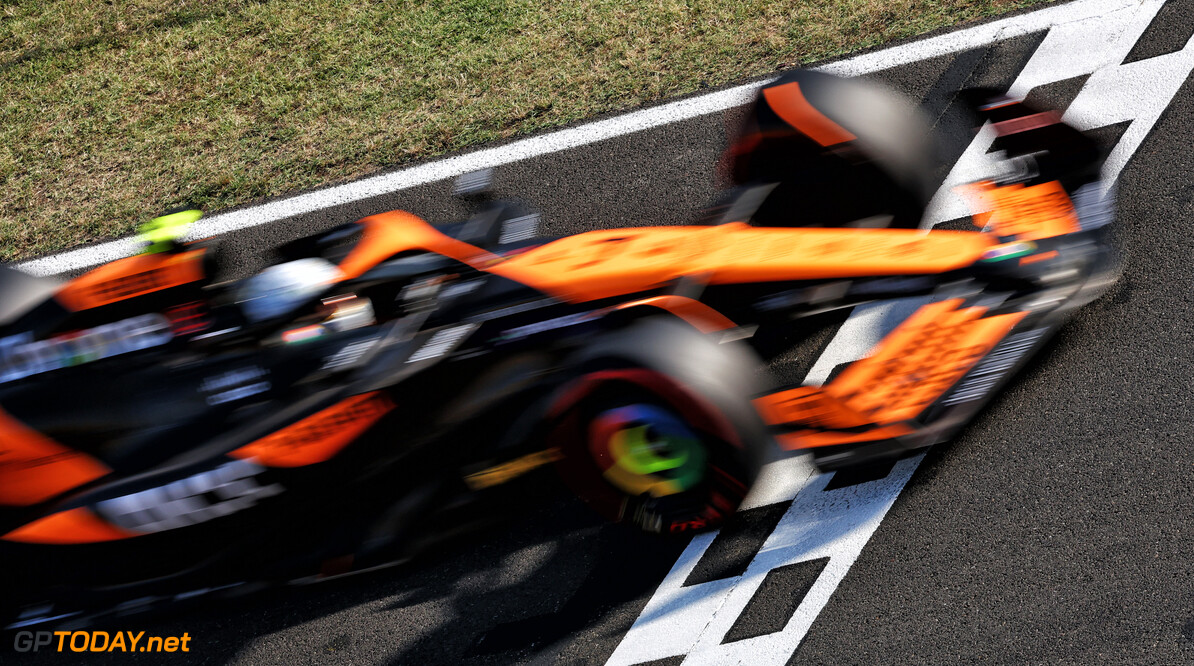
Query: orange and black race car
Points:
[163, 435]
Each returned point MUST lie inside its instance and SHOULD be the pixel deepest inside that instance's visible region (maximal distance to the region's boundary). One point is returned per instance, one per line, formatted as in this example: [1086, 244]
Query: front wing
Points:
[921, 383]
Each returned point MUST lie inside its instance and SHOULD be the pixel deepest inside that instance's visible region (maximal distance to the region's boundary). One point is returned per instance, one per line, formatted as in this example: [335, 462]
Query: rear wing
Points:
[1039, 145]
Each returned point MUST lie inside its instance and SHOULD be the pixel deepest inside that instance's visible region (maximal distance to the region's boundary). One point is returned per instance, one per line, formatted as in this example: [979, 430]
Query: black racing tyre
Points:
[817, 150]
[657, 428]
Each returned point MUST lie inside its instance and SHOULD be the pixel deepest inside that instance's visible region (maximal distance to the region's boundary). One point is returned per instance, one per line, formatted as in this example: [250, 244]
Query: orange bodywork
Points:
[1026, 213]
[918, 361]
[387, 234]
[34, 468]
[320, 436]
[810, 406]
[826, 419]
[698, 315]
[788, 102]
[876, 397]
[603, 264]
[811, 439]
[130, 277]
[74, 526]
[1043, 256]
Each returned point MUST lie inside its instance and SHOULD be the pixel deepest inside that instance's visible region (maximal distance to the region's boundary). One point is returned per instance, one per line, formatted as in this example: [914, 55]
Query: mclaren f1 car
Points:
[163, 433]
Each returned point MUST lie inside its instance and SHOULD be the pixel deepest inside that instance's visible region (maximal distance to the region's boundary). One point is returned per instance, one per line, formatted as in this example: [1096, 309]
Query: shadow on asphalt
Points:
[515, 582]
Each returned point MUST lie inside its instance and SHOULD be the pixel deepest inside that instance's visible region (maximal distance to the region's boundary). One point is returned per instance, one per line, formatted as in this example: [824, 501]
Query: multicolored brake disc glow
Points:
[646, 449]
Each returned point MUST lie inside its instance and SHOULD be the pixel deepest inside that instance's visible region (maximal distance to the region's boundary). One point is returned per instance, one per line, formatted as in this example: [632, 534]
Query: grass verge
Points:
[115, 110]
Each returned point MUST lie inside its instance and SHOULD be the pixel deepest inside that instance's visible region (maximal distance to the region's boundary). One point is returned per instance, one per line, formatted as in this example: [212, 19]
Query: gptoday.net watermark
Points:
[99, 641]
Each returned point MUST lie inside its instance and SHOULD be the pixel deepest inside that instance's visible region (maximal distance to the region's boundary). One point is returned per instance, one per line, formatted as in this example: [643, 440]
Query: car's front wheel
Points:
[657, 429]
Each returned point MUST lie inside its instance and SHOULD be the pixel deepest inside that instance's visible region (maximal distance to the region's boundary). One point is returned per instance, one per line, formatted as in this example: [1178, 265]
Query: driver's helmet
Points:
[279, 289]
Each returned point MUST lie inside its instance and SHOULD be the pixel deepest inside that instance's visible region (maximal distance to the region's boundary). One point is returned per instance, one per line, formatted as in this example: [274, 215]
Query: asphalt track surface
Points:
[1056, 528]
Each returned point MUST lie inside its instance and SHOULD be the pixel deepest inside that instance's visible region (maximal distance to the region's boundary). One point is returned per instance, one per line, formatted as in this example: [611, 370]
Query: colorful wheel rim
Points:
[646, 449]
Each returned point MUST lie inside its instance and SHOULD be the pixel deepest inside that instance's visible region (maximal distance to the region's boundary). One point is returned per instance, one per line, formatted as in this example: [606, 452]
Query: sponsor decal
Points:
[1008, 251]
[318, 437]
[892, 285]
[687, 525]
[544, 326]
[225, 490]
[504, 472]
[987, 374]
[21, 356]
[235, 385]
[519, 229]
[460, 288]
[303, 334]
[135, 284]
[441, 342]
[348, 355]
[189, 318]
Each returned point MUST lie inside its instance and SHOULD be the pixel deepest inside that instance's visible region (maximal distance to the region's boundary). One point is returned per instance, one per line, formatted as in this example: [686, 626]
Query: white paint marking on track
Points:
[1096, 45]
[693, 621]
[835, 524]
[578, 136]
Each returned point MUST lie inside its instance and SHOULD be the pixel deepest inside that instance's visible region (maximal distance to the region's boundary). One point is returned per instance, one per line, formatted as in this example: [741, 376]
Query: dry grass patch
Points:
[112, 111]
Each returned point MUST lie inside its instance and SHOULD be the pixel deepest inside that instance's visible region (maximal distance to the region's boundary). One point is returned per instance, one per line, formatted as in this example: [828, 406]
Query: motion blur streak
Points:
[1083, 38]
